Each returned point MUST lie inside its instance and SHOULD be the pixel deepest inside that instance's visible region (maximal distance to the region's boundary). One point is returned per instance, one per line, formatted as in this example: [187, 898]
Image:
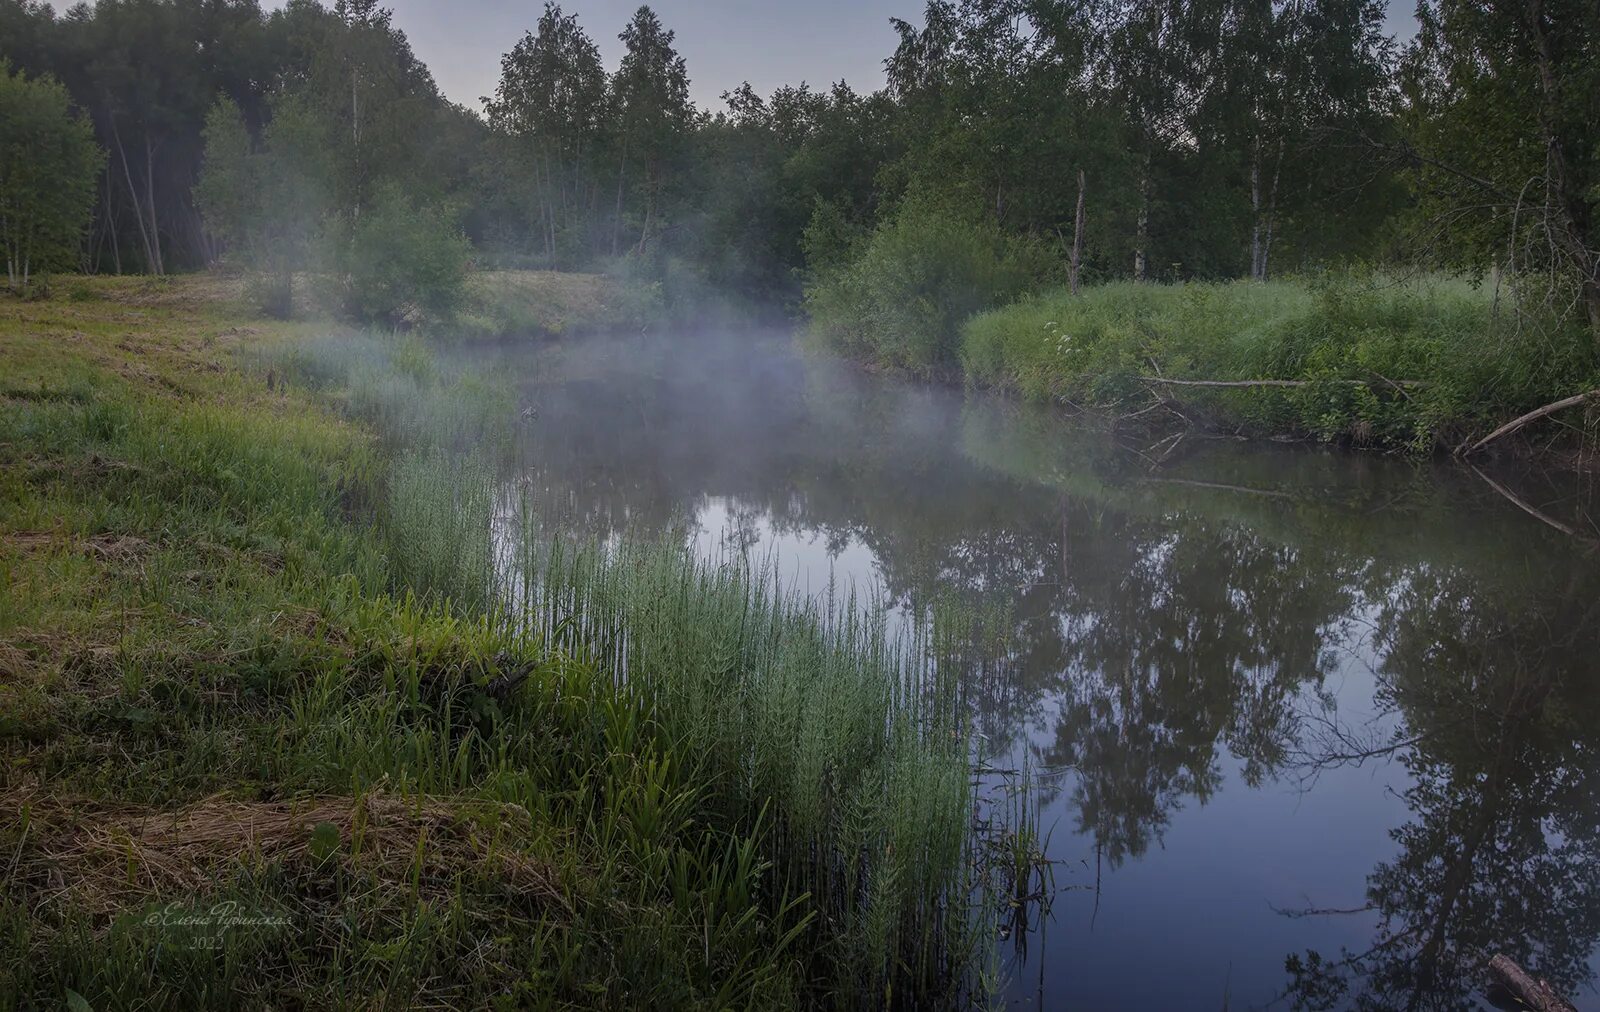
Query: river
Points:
[1307, 725]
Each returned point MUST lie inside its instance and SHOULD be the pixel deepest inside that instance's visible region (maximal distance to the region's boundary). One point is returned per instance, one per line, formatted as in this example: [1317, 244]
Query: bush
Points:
[900, 296]
[1429, 359]
[403, 261]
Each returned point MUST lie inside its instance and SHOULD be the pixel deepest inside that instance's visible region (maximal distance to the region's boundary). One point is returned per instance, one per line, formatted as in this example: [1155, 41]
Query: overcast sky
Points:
[766, 42]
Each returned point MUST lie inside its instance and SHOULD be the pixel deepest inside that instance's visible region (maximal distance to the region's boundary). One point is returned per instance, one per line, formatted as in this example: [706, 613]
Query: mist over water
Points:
[1307, 725]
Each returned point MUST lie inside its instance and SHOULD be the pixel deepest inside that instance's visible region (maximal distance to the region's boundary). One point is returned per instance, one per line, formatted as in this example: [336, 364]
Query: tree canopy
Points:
[48, 165]
[1146, 139]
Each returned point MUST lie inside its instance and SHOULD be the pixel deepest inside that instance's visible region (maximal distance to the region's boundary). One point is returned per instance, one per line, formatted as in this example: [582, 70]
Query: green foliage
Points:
[1500, 107]
[1387, 362]
[263, 204]
[48, 167]
[900, 297]
[401, 261]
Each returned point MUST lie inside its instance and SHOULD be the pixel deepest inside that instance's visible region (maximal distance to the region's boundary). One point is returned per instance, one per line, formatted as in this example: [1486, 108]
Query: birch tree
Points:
[49, 164]
[552, 102]
[651, 89]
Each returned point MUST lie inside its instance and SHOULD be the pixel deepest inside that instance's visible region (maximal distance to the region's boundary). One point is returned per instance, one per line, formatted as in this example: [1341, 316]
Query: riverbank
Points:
[282, 726]
[1421, 365]
[504, 303]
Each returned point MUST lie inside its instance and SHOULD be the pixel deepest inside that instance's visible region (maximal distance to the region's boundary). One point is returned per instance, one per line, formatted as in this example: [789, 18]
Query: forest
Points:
[834, 549]
[1019, 148]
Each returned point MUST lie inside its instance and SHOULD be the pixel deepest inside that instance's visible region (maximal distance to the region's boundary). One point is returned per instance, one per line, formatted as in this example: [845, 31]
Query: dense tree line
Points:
[1145, 139]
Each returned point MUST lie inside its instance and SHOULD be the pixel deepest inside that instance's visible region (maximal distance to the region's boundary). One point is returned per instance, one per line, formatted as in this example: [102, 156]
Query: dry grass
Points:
[101, 857]
[119, 548]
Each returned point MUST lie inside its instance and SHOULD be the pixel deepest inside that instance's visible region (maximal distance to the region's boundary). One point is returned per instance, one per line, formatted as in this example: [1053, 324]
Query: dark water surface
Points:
[1312, 726]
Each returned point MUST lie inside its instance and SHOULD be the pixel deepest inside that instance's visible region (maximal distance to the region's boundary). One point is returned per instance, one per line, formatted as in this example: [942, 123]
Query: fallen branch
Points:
[1400, 384]
[1516, 423]
[1218, 485]
[1531, 992]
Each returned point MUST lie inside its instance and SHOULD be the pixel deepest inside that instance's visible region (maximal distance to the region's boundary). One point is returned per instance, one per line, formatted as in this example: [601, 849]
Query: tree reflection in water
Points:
[1166, 635]
[1499, 734]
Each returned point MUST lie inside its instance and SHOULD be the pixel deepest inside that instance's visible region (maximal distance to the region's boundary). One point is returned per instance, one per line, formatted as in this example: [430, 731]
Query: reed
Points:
[833, 746]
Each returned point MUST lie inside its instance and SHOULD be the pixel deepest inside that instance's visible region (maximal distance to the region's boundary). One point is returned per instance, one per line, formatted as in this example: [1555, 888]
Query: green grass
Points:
[270, 638]
[1432, 360]
[546, 303]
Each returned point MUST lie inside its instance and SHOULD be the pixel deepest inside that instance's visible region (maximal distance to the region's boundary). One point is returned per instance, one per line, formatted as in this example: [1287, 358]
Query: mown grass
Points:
[508, 303]
[1414, 363]
[301, 709]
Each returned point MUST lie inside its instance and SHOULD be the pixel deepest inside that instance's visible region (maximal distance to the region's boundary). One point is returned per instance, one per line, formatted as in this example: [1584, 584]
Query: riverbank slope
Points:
[267, 737]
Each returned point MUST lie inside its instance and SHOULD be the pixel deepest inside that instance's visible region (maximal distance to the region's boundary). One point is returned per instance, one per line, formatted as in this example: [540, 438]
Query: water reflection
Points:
[1322, 729]
[1502, 850]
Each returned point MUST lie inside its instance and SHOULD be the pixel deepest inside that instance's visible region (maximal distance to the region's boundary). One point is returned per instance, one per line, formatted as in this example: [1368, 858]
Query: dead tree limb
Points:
[1276, 382]
[1269, 493]
[1516, 423]
[1531, 992]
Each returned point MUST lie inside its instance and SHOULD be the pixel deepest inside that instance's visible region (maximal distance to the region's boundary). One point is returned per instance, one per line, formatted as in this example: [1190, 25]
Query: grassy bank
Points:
[504, 303]
[1371, 362]
[284, 724]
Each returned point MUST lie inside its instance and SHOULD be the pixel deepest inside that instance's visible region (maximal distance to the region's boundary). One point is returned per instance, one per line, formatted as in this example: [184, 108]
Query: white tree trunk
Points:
[1257, 260]
[1141, 236]
[1076, 263]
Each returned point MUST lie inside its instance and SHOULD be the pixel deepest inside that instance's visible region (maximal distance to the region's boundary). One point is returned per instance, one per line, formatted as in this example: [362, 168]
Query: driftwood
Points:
[1530, 992]
[1516, 423]
[1275, 383]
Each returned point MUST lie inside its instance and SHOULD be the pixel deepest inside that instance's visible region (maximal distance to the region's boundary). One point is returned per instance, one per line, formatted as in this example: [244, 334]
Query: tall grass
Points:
[848, 738]
[835, 750]
[1429, 358]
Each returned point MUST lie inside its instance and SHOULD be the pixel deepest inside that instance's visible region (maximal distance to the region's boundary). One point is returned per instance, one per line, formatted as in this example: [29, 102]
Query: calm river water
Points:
[1313, 728]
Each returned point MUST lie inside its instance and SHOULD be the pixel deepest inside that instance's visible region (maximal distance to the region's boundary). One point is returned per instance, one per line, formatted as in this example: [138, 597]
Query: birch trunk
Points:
[150, 197]
[616, 223]
[1141, 235]
[1257, 261]
[133, 193]
[1076, 263]
[1272, 211]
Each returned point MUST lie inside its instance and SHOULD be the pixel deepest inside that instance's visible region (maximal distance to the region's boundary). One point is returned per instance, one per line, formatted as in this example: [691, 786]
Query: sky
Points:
[724, 42]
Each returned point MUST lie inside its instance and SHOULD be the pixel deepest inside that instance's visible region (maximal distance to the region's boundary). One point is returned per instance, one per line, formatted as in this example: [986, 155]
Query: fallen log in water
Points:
[1531, 992]
[1516, 423]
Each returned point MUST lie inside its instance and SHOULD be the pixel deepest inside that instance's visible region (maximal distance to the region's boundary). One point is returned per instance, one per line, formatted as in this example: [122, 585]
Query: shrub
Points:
[901, 295]
[402, 261]
[1383, 361]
